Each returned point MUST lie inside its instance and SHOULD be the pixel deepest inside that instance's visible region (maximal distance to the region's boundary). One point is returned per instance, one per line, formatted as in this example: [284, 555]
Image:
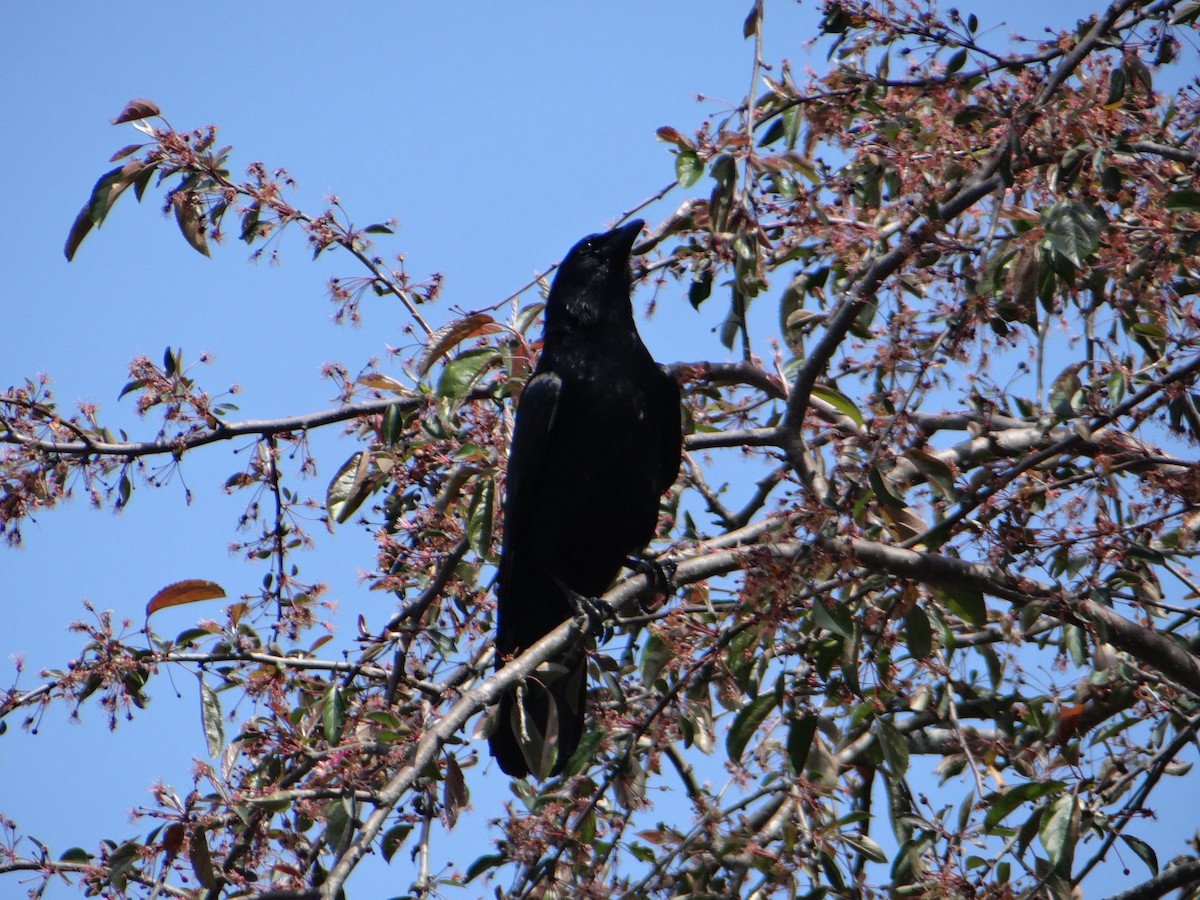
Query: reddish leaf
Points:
[79, 230]
[455, 333]
[454, 791]
[125, 151]
[1069, 718]
[753, 22]
[107, 189]
[136, 109]
[172, 839]
[193, 590]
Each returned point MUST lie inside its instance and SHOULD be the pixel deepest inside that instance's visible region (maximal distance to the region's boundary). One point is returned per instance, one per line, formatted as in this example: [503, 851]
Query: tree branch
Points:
[1184, 875]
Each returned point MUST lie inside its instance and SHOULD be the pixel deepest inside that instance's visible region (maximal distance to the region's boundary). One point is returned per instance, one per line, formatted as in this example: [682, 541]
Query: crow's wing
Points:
[670, 435]
[535, 419]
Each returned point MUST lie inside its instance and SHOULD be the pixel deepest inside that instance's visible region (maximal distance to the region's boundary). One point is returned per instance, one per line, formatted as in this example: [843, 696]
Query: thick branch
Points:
[1184, 875]
[1156, 650]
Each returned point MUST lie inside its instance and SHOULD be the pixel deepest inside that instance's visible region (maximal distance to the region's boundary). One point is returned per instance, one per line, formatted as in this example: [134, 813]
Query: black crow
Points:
[597, 441]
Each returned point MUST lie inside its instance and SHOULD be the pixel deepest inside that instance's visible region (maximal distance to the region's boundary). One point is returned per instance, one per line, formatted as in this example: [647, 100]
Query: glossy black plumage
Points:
[597, 441]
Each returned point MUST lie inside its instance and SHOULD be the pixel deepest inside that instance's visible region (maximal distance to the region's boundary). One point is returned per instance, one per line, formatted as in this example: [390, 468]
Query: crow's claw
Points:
[590, 612]
[660, 574]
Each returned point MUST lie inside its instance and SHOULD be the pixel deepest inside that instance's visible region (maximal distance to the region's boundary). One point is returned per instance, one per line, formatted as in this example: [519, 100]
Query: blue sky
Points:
[497, 134]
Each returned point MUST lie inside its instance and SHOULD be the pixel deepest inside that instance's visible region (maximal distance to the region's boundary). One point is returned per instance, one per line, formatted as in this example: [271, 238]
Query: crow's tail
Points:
[542, 721]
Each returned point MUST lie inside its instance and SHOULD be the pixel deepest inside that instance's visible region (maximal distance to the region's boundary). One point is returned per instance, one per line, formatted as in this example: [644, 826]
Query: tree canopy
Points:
[931, 627]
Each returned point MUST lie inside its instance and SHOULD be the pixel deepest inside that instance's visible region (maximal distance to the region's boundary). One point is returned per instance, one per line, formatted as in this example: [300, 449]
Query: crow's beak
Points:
[622, 239]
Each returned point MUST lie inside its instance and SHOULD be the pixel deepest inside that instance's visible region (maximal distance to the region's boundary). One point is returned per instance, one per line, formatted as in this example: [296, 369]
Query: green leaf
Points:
[774, 132]
[894, 747]
[886, 491]
[378, 229]
[1063, 390]
[655, 657]
[838, 401]
[801, 731]
[1183, 200]
[1118, 83]
[210, 715]
[918, 634]
[1073, 229]
[108, 188]
[464, 370]
[337, 820]
[956, 61]
[351, 485]
[333, 713]
[701, 287]
[480, 518]
[835, 618]
[1187, 13]
[830, 867]
[483, 864]
[189, 216]
[1001, 804]
[250, 223]
[936, 470]
[745, 723]
[392, 424]
[1148, 330]
[1143, 850]
[1058, 830]
[77, 855]
[124, 490]
[734, 322]
[865, 846]
[688, 168]
[393, 840]
[965, 602]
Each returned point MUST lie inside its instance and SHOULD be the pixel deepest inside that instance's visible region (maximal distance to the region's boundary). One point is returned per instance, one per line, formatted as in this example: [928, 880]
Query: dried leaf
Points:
[381, 382]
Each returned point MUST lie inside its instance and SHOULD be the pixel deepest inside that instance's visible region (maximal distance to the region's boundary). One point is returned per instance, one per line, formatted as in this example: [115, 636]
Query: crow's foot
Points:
[660, 574]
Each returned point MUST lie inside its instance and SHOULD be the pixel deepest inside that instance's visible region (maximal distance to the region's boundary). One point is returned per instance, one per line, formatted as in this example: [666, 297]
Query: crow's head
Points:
[592, 284]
